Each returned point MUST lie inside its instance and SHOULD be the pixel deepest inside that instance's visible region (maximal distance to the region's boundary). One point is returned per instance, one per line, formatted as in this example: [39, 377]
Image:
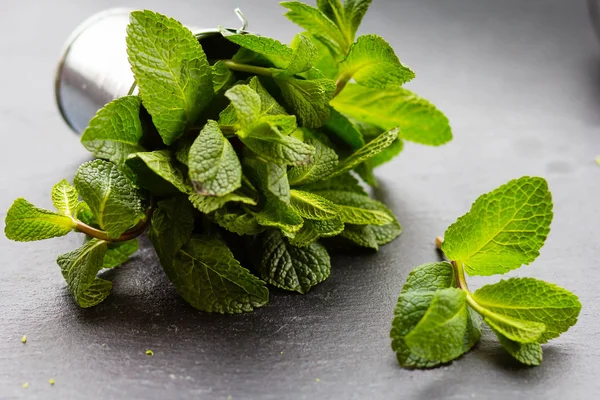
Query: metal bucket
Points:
[94, 70]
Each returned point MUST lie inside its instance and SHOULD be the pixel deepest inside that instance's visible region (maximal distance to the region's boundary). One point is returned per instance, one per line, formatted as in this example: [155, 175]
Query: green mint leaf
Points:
[358, 209]
[528, 353]
[366, 152]
[65, 198]
[207, 276]
[115, 132]
[247, 104]
[292, 268]
[439, 335]
[309, 99]
[111, 196]
[171, 70]
[119, 252]
[322, 164]
[171, 227]
[239, 222]
[273, 146]
[277, 214]
[312, 206]
[315, 229]
[504, 228]
[347, 17]
[360, 235]
[344, 129]
[272, 50]
[326, 61]
[419, 120]
[318, 24]
[222, 77]
[344, 182]
[515, 329]
[430, 277]
[208, 204]
[25, 223]
[269, 106]
[214, 167]
[303, 57]
[85, 214]
[532, 300]
[270, 177]
[365, 170]
[147, 165]
[372, 62]
[80, 267]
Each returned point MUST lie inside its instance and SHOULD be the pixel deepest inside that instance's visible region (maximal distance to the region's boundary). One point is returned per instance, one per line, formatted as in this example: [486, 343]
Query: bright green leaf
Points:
[528, 353]
[270, 144]
[222, 77]
[25, 222]
[358, 209]
[65, 198]
[214, 167]
[208, 204]
[314, 229]
[115, 132]
[533, 300]
[171, 70]
[272, 50]
[240, 222]
[339, 125]
[80, 267]
[504, 228]
[312, 206]
[515, 329]
[111, 196]
[322, 164]
[430, 277]
[159, 163]
[309, 99]
[119, 252]
[372, 62]
[419, 120]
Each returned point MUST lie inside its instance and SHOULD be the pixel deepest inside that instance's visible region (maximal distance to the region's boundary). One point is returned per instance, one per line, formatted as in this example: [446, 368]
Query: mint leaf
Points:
[504, 228]
[277, 214]
[303, 57]
[207, 276]
[239, 222]
[312, 206]
[222, 77]
[119, 252]
[292, 268]
[360, 235]
[147, 165]
[372, 62]
[366, 152]
[273, 146]
[115, 132]
[171, 70]
[344, 182]
[215, 169]
[344, 129]
[85, 215]
[322, 164]
[528, 353]
[248, 106]
[314, 229]
[430, 277]
[25, 223]
[317, 23]
[309, 99]
[111, 196]
[65, 198]
[208, 204]
[79, 268]
[269, 106]
[419, 120]
[365, 170]
[358, 209]
[171, 227]
[270, 177]
[271, 50]
[532, 300]
[439, 335]
[515, 329]
[347, 17]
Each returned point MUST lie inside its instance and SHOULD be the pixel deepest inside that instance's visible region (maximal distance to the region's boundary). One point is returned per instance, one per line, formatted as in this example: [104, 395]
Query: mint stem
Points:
[251, 69]
[461, 281]
[341, 82]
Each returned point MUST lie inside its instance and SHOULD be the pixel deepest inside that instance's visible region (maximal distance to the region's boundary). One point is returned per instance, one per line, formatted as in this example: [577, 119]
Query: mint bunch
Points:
[250, 159]
[437, 318]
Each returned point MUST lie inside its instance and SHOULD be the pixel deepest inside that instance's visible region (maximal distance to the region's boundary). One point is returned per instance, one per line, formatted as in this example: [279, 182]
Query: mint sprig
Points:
[262, 148]
[437, 318]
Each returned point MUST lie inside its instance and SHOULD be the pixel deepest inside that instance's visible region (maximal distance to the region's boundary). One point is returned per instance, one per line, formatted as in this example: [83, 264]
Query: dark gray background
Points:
[520, 83]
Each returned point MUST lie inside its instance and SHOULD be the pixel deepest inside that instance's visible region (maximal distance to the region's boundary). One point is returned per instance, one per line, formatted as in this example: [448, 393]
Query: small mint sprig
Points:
[438, 319]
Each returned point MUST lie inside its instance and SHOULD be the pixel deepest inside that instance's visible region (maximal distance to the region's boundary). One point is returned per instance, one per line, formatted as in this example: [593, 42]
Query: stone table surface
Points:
[520, 83]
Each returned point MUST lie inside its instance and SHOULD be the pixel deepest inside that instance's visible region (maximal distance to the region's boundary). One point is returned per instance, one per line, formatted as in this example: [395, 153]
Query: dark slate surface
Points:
[520, 82]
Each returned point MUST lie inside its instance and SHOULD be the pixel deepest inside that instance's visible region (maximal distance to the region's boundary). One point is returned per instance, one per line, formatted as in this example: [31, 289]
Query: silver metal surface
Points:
[94, 69]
